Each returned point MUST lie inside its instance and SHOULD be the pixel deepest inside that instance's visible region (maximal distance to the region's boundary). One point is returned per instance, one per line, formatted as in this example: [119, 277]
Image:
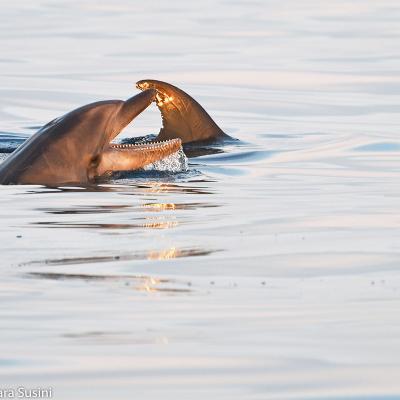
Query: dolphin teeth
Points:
[147, 146]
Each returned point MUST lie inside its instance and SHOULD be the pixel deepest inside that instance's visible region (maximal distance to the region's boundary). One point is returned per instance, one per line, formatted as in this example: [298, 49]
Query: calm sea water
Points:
[269, 270]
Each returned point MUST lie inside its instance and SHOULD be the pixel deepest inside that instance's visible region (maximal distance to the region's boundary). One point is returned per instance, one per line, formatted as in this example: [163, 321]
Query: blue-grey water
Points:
[268, 270]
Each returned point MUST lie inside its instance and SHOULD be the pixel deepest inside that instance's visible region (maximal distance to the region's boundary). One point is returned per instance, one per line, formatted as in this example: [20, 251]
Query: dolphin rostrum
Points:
[182, 116]
[77, 148]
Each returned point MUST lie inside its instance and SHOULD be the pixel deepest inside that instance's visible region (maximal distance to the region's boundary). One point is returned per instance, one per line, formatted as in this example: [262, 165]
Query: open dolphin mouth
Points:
[126, 157]
[130, 110]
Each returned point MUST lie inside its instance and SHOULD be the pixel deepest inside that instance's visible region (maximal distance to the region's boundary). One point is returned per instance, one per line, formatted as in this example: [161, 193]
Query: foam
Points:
[176, 162]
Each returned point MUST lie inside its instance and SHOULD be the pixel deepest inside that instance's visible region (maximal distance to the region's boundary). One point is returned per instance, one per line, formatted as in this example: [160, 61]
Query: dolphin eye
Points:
[95, 161]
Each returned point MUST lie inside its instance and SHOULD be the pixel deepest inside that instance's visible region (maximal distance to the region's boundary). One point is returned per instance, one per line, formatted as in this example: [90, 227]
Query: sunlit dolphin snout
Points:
[130, 109]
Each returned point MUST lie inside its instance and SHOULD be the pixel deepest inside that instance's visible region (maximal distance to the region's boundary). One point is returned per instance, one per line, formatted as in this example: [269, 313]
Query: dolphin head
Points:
[183, 117]
[77, 147]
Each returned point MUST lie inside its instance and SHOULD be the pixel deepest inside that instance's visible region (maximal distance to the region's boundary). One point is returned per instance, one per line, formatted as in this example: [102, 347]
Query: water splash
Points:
[176, 162]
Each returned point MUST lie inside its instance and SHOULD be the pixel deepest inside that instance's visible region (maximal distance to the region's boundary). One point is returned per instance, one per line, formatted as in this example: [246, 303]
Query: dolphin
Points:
[78, 148]
[182, 116]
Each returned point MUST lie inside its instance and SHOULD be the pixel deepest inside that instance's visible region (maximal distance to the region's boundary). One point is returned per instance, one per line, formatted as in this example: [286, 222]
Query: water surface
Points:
[268, 270]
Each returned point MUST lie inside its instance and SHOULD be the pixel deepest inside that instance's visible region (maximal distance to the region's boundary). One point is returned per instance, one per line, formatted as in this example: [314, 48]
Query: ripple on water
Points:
[128, 187]
[238, 157]
[166, 254]
[107, 209]
[379, 147]
[9, 141]
[141, 283]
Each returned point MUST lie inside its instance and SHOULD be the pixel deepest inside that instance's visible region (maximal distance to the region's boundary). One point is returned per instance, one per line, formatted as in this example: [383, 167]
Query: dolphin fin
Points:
[182, 116]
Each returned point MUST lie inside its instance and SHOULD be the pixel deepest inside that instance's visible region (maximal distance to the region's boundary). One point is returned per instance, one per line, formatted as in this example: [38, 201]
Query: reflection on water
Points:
[107, 209]
[177, 206]
[174, 253]
[153, 285]
[151, 223]
[131, 187]
[90, 209]
[156, 187]
[139, 283]
[166, 254]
